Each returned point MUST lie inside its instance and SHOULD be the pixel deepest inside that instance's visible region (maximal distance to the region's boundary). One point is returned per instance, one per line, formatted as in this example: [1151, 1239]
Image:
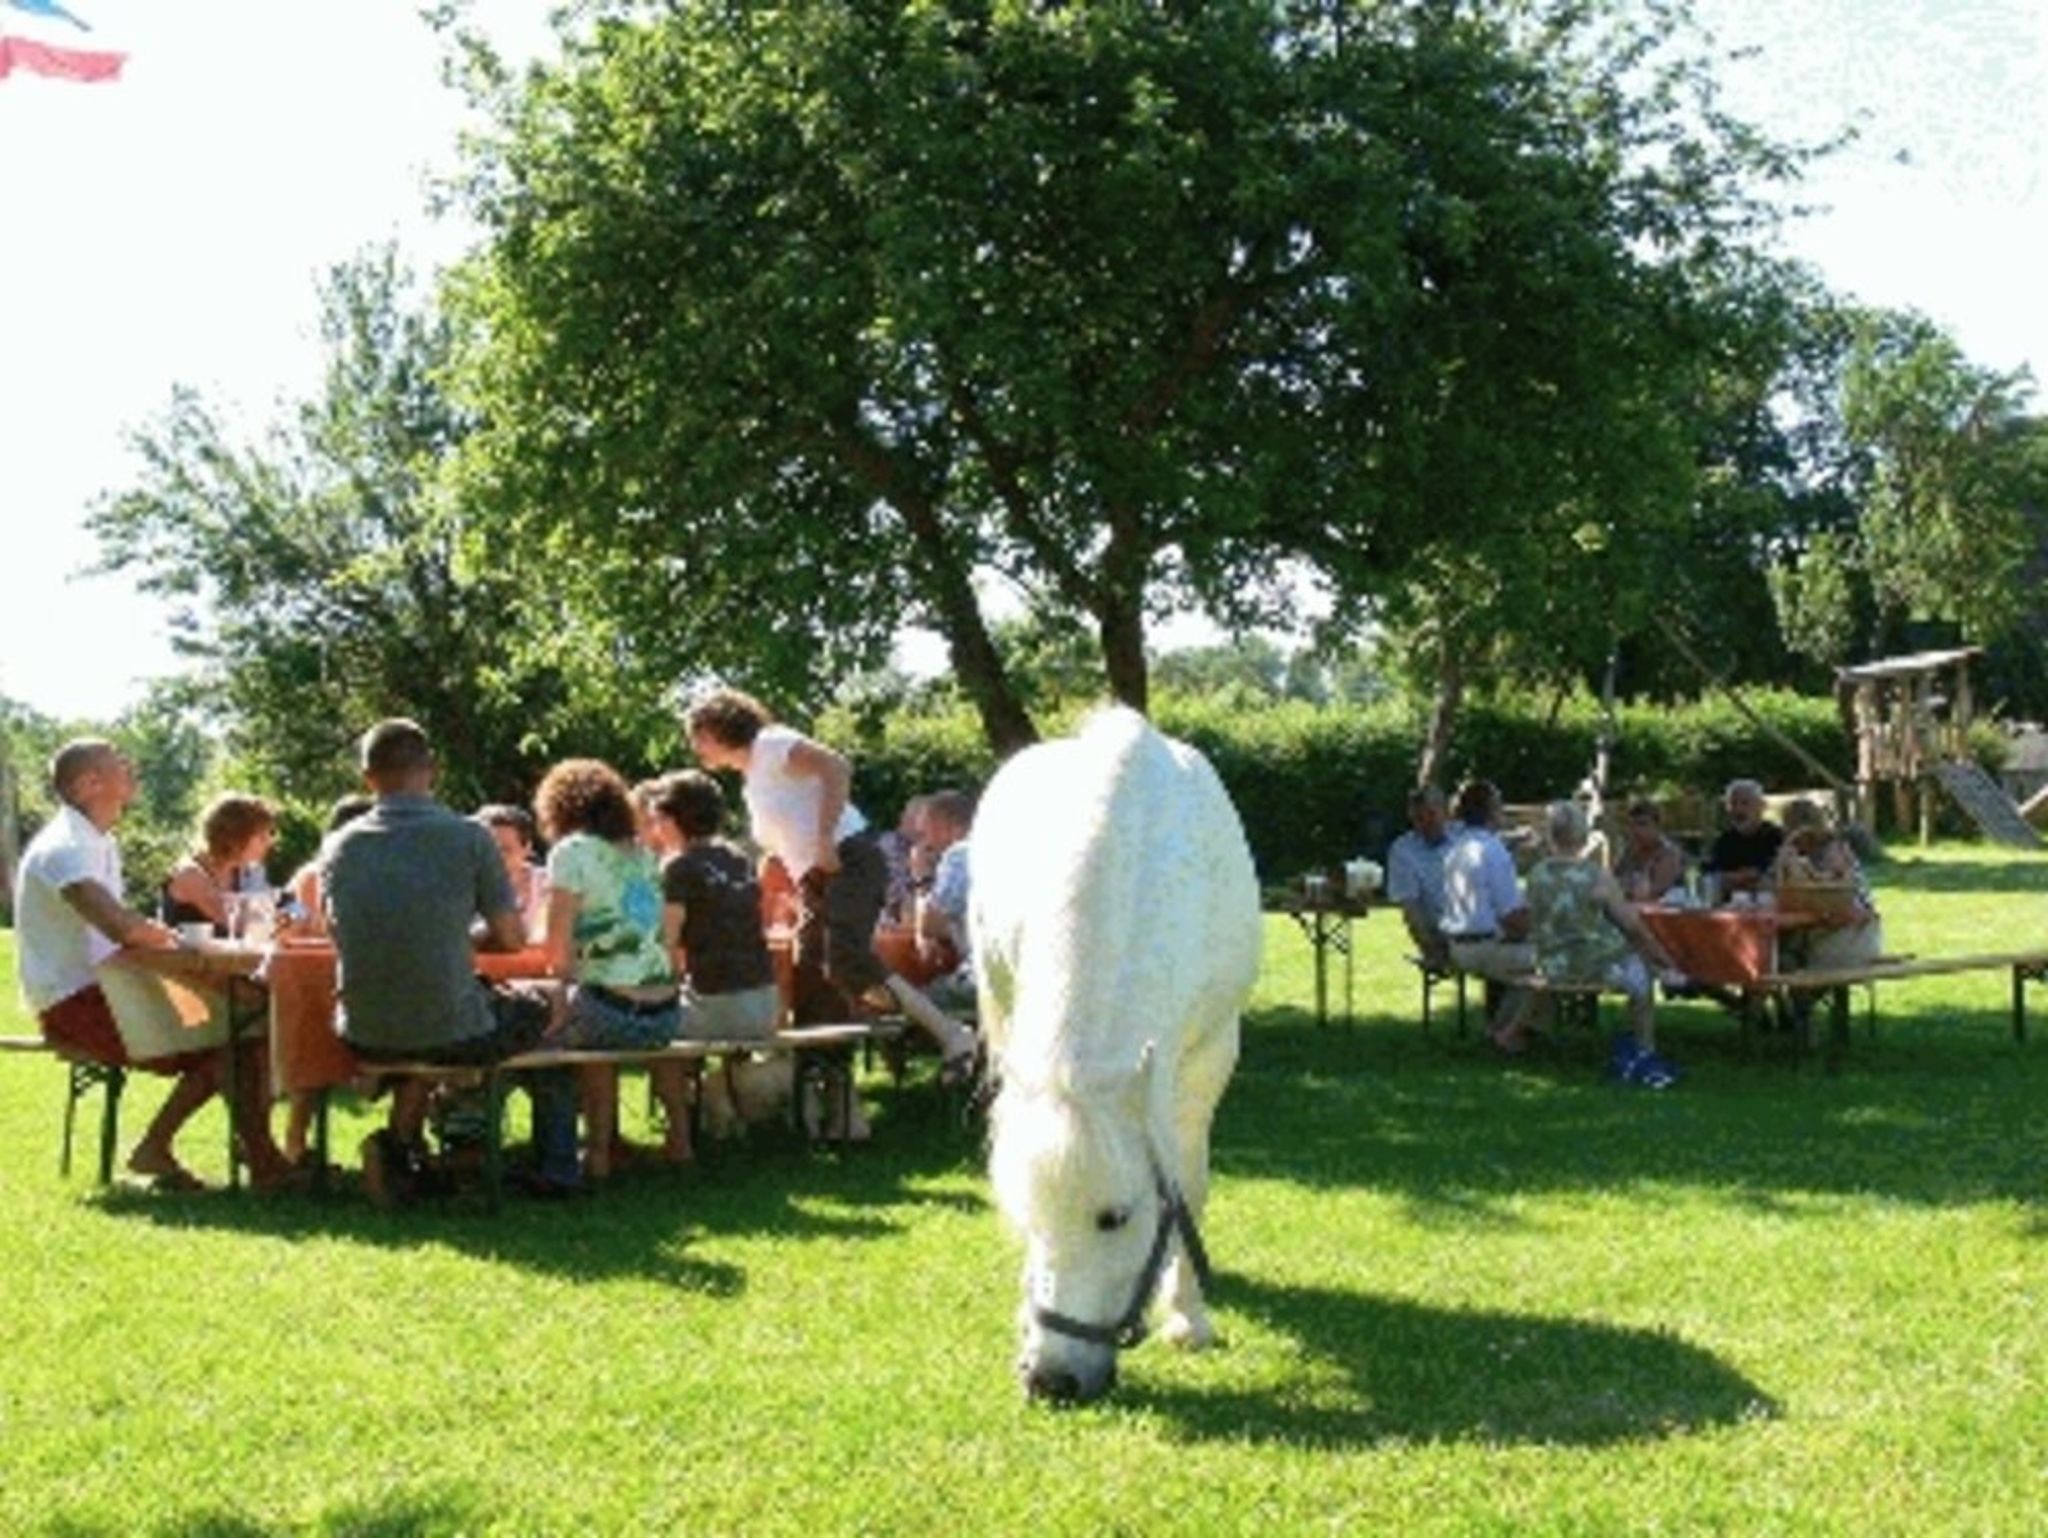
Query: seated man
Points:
[403, 884]
[1415, 873]
[1746, 850]
[1486, 921]
[71, 914]
[945, 821]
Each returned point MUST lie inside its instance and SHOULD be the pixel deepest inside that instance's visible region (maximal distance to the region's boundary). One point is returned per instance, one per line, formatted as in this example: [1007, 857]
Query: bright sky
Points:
[170, 227]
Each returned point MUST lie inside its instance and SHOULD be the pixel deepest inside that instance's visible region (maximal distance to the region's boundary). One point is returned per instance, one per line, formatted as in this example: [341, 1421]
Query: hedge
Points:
[1316, 784]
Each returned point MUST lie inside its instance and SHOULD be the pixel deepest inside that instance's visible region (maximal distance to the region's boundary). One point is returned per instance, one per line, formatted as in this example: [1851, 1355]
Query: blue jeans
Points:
[602, 1021]
[518, 1020]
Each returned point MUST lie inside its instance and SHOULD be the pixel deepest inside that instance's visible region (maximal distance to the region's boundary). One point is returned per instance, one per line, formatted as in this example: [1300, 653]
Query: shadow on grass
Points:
[1937, 1111]
[396, 1514]
[647, 1224]
[1391, 1371]
[1377, 1370]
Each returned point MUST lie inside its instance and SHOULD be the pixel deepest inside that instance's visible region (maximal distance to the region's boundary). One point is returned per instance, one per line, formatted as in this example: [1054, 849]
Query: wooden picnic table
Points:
[1325, 917]
[307, 1052]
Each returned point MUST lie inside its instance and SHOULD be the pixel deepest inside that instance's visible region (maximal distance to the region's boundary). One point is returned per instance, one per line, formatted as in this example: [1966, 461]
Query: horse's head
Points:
[1078, 1168]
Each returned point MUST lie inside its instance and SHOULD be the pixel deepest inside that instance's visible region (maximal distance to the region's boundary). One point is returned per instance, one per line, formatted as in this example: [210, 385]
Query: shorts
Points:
[750, 1014]
[519, 1018]
[1498, 960]
[600, 1020]
[81, 1027]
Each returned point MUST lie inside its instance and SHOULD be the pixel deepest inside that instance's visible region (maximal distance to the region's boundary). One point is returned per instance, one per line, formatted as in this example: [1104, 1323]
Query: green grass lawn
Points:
[1457, 1296]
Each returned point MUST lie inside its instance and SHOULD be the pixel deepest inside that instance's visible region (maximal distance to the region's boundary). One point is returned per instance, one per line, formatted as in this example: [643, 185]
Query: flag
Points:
[34, 56]
[49, 8]
[58, 63]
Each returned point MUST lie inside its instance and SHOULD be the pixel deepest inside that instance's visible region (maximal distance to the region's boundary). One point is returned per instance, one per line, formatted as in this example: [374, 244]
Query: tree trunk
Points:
[1122, 628]
[1443, 715]
[1120, 611]
[977, 665]
[979, 668]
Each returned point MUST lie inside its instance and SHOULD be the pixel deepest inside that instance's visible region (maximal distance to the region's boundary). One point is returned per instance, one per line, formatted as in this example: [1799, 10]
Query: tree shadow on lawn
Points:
[1944, 1115]
[1383, 1369]
[395, 1514]
[644, 1223]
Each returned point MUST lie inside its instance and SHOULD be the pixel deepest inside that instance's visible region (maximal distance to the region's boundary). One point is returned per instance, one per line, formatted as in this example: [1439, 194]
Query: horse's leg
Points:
[1204, 1076]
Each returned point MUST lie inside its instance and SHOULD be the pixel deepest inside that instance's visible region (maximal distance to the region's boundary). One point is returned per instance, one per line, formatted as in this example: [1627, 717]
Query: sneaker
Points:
[1624, 1056]
[1649, 1071]
[387, 1172]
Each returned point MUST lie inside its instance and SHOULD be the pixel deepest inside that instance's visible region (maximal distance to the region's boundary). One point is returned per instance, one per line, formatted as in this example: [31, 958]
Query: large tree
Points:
[795, 319]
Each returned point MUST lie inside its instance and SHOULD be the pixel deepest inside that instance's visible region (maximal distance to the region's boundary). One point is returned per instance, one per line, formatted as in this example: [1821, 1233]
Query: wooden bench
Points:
[822, 1054]
[81, 1079]
[2025, 967]
[1580, 1002]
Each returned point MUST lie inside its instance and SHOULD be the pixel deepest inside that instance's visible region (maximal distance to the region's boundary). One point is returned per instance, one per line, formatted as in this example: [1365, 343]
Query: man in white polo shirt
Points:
[1486, 920]
[70, 915]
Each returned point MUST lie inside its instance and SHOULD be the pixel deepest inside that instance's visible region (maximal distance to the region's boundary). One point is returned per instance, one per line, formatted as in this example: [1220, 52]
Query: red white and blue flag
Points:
[33, 52]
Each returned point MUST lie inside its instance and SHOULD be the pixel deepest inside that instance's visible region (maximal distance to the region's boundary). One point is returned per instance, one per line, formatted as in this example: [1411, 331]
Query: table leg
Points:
[1319, 938]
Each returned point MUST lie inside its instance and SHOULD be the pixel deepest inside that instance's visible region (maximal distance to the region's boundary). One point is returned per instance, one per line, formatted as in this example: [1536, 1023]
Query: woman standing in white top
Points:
[796, 792]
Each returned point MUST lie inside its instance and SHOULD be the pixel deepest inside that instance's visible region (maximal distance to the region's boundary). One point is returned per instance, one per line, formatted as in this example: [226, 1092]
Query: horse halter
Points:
[1174, 1218]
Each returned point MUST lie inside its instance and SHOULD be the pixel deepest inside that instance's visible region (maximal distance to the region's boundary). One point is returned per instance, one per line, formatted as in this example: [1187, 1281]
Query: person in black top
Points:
[1744, 851]
[711, 913]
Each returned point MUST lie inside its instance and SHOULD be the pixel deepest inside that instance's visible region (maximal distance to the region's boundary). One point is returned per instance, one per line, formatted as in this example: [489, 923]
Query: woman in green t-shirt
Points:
[602, 935]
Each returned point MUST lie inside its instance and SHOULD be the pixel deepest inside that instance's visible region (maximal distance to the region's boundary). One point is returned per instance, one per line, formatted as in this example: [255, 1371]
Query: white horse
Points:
[1115, 923]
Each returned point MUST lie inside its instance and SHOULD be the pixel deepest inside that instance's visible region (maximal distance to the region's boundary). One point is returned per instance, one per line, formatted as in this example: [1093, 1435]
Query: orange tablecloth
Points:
[306, 1052]
[896, 945]
[1731, 947]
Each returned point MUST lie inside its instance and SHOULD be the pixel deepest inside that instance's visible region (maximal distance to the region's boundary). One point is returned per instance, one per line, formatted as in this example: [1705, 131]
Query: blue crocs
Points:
[1650, 1071]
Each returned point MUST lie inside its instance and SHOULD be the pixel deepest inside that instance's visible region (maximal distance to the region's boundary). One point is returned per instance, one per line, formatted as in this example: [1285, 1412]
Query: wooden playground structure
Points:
[1913, 716]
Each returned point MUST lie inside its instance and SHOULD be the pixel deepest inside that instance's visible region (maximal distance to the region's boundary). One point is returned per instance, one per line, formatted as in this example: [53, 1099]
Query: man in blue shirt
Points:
[1415, 872]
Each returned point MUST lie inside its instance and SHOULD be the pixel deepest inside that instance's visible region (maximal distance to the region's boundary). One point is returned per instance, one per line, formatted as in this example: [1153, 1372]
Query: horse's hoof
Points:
[1189, 1334]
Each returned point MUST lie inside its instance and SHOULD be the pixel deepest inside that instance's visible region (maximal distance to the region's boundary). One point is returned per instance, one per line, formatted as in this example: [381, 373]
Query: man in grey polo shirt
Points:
[404, 884]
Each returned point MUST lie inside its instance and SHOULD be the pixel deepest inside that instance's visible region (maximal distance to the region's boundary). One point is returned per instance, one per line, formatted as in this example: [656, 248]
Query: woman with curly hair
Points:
[796, 792]
[602, 934]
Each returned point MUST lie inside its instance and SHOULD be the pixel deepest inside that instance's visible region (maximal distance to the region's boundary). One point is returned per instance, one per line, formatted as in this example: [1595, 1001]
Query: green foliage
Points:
[1939, 480]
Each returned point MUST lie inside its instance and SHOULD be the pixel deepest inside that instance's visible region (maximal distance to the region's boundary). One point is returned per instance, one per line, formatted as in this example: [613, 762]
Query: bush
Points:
[1317, 784]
